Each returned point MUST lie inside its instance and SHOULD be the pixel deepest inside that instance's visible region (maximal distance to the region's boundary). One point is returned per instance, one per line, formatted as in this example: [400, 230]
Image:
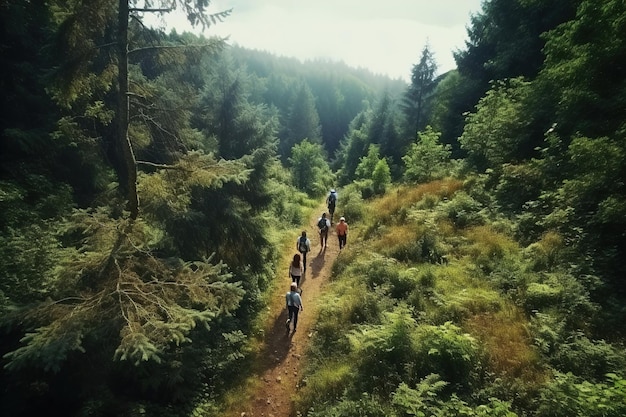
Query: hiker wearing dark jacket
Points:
[303, 245]
[323, 224]
[293, 302]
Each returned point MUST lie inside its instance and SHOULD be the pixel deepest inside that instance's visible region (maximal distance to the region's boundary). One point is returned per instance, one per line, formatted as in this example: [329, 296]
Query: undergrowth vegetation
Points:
[436, 309]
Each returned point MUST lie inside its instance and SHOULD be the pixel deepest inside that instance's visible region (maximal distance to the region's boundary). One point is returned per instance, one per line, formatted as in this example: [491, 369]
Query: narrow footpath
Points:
[282, 355]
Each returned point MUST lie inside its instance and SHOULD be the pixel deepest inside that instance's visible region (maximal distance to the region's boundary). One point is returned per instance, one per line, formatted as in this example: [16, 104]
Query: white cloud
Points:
[385, 37]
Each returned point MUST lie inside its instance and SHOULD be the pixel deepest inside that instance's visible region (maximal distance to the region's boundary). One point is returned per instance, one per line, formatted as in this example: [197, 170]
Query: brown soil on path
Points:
[279, 363]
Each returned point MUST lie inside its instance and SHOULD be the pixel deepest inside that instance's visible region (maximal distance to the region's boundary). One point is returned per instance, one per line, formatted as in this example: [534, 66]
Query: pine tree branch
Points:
[159, 47]
[147, 10]
[162, 166]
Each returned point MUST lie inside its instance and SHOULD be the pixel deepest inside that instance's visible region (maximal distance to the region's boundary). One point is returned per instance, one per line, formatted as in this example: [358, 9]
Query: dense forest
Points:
[149, 180]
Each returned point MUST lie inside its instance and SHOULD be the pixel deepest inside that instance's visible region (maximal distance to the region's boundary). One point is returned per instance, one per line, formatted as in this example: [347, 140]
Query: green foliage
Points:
[381, 177]
[448, 352]
[426, 159]
[547, 253]
[113, 278]
[518, 185]
[352, 206]
[567, 295]
[367, 163]
[309, 168]
[588, 359]
[302, 121]
[386, 354]
[328, 383]
[416, 104]
[374, 173]
[399, 351]
[570, 396]
[27, 259]
[493, 135]
[463, 210]
[580, 55]
[427, 400]
[354, 147]
[169, 190]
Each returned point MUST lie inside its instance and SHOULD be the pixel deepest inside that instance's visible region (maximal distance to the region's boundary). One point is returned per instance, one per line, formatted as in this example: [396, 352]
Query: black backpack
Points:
[332, 199]
[302, 244]
[322, 225]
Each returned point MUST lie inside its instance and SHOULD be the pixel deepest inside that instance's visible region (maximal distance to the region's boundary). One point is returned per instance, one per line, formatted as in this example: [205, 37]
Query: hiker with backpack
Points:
[331, 203]
[342, 232]
[294, 306]
[323, 224]
[303, 245]
[296, 269]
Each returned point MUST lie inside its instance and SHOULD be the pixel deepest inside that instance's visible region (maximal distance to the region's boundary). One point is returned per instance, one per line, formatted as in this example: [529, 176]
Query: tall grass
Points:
[507, 344]
[488, 248]
[399, 199]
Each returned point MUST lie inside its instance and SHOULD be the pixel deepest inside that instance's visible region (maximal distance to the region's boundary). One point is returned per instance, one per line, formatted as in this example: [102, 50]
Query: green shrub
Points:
[588, 359]
[350, 205]
[566, 295]
[378, 271]
[402, 284]
[569, 396]
[446, 351]
[385, 354]
[541, 296]
[425, 247]
[462, 210]
[427, 400]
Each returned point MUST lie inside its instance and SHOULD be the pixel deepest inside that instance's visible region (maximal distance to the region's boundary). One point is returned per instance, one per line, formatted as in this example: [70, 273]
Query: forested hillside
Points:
[148, 182]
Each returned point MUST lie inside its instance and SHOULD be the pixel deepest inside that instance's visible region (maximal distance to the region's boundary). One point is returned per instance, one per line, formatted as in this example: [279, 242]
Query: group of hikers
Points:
[297, 268]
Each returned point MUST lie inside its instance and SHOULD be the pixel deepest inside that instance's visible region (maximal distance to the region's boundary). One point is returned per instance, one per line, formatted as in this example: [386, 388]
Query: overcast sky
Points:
[385, 36]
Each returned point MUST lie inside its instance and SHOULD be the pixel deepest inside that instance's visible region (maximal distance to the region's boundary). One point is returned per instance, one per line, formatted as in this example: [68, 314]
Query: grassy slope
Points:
[435, 307]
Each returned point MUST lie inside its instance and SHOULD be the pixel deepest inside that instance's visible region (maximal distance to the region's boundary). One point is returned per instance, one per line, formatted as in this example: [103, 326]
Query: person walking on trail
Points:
[294, 305]
[303, 245]
[342, 232]
[296, 269]
[331, 203]
[323, 224]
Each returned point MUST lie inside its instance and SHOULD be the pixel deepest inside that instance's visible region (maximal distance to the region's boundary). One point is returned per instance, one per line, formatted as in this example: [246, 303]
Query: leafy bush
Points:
[569, 396]
[546, 253]
[427, 400]
[586, 358]
[404, 283]
[540, 296]
[387, 354]
[463, 210]
[517, 185]
[351, 204]
[427, 158]
[466, 303]
[563, 293]
[446, 351]
[377, 271]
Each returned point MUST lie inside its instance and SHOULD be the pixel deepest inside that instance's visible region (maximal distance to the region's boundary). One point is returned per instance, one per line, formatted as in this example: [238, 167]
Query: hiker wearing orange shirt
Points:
[342, 232]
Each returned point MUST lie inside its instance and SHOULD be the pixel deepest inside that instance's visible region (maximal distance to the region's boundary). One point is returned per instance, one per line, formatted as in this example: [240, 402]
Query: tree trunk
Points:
[123, 142]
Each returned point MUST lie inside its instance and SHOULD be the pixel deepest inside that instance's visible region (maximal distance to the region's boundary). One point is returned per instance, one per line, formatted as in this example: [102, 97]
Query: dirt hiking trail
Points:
[280, 361]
